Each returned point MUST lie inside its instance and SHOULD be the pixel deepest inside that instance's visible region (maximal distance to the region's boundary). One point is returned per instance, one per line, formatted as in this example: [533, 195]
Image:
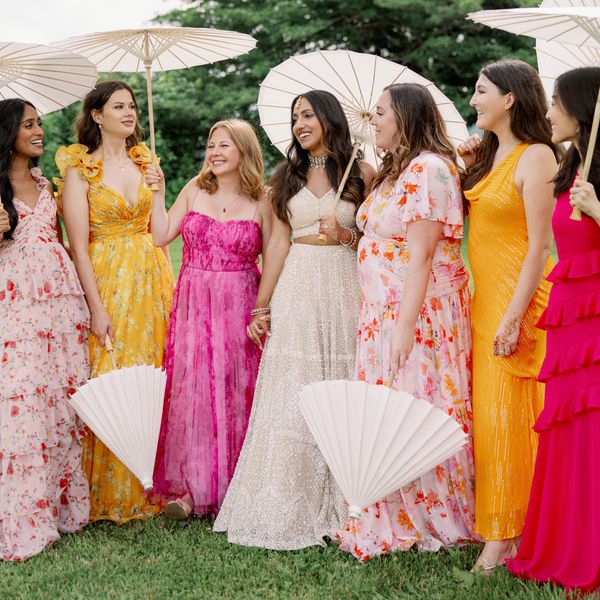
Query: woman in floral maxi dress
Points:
[43, 352]
[414, 327]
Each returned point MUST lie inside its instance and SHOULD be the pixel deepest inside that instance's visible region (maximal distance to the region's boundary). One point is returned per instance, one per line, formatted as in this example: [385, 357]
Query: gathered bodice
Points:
[213, 245]
[109, 214]
[306, 209]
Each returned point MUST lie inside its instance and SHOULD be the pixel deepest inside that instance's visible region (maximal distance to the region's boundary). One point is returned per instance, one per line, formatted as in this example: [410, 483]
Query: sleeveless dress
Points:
[135, 283]
[506, 396]
[437, 509]
[211, 363]
[43, 356]
[561, 538]
[282, 495]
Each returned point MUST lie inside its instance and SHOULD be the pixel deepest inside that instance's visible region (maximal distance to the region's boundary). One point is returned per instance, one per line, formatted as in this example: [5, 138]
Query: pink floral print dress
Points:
[43, 355]
[435, 510]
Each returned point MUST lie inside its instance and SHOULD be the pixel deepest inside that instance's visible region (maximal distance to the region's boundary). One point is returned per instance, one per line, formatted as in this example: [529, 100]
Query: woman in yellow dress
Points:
[128, 282]
[510, 194]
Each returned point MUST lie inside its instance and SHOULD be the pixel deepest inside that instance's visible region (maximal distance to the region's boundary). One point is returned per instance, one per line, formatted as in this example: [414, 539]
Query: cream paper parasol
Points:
[158, 49]
[357, 80]
[50, 78]
[124, 408]
[569, 25]
[374, 439]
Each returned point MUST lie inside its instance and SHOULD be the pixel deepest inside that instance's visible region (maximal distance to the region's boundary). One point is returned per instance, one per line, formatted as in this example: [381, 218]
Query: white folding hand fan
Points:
[124, 409]
[376, 440]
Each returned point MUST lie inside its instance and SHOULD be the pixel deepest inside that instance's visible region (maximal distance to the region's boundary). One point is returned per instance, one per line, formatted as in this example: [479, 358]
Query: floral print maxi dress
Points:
[43, 355]
[435, 510]
[135, 283]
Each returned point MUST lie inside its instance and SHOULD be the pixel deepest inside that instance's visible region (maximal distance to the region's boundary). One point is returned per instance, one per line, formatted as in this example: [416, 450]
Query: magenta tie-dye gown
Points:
[211, 364]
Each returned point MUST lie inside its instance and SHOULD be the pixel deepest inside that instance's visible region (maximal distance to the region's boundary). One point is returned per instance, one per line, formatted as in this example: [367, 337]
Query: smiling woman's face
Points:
[29, 140]
[118, 116]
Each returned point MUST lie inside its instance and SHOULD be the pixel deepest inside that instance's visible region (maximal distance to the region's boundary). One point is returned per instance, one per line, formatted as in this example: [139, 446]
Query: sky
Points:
[46, 21]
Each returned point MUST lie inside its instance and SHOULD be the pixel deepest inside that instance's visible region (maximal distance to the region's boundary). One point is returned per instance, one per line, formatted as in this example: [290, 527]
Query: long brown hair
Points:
[527, 115]
[420, 129]
[251, 166]
[88, 132]
[575, 92]
[291, 175]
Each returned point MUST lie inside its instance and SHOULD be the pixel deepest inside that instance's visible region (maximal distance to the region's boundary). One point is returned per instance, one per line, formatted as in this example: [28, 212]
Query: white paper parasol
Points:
[159, 49]
[554, 58]
[374, 439]
[357, 80]
[569, 24]
[124, 409]
[50, 78]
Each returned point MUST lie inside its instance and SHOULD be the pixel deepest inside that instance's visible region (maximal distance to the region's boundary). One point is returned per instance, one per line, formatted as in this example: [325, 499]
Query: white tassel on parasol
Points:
[124, 409]
[376, 440]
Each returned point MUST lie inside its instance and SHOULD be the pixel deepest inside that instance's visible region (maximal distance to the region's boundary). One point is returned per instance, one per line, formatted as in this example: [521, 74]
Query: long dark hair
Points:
[11, 115]
[575, 92]
[420, 129]
[527, 115]
[88, 131]
[291, 174]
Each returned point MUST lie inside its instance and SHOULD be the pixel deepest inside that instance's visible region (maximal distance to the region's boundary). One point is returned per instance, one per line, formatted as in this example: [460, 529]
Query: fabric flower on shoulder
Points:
[90, 168]
[40, 180]
[140, 154]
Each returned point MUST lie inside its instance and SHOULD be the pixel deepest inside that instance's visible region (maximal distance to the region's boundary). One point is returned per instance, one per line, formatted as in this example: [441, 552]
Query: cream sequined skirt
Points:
[282, 495]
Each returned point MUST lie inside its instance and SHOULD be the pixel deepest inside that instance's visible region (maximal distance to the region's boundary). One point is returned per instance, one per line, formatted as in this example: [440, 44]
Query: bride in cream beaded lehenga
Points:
[282, 495]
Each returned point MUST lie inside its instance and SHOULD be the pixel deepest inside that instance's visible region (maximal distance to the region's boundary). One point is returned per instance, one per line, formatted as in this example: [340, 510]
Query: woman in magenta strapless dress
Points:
[561, 538]
[211, 363]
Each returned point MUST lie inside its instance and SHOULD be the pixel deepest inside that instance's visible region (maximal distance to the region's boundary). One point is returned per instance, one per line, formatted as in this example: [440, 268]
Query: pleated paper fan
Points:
[376, 440]
[124, 409]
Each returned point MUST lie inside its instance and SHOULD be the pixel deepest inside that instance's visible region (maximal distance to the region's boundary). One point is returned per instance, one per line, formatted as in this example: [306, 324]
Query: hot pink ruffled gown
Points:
[43, 355]
[211, 364]
[561, 539]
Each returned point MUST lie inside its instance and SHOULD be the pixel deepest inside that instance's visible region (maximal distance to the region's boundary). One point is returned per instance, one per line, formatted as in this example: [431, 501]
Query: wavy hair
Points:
[11, 115]
[290, 176]
[420, 129]
[527, 116]
[87, 130]
[575, 92]
[251, 166]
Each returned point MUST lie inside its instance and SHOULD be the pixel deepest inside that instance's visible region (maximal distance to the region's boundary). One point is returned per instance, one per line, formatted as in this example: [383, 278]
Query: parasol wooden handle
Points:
[576, 213]
[109, 348]
[338, 195]
[148, 66]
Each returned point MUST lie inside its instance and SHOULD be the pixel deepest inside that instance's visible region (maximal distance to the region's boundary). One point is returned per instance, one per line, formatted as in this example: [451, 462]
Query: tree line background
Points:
[431, 37]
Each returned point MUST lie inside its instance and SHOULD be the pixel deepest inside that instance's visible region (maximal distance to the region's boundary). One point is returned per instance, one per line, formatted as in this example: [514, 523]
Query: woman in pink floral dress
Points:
[414, 327]
[43, 352]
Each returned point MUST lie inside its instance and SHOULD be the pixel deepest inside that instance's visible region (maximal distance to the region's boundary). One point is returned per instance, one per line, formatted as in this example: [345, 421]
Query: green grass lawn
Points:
[160, 559]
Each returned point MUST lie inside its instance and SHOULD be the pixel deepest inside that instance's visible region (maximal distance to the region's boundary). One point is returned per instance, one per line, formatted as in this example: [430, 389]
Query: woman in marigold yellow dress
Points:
[509, 189]
[128, 282]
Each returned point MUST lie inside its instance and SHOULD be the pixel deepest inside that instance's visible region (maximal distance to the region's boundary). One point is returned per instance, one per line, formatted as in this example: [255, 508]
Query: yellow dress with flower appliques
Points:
[135, 283]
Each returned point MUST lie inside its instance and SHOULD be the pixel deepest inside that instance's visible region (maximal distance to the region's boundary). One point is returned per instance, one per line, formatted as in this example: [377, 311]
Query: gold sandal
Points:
[178, 510]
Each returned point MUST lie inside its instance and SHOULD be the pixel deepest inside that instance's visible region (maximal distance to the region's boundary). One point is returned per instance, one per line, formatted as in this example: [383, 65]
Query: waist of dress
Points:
[101, 236]
[229, 266]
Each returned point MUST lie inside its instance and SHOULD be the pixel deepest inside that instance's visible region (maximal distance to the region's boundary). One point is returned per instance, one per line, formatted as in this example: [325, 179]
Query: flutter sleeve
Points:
[430, 189]
[75, 155]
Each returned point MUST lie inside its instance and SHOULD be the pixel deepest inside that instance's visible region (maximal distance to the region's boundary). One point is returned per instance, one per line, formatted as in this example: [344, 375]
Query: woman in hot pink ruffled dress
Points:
[43, 352]
[561, 538]
[211, 364]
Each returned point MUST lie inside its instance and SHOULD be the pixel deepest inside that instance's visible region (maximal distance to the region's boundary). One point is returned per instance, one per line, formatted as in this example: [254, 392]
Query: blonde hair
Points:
[251, 166]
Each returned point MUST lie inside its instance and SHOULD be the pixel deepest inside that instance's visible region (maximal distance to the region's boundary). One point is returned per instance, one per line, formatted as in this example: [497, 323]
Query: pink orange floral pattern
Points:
[43, 356]
[436, 510]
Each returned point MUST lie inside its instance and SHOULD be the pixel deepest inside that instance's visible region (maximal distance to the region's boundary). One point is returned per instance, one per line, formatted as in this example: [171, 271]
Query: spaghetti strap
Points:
[256, 210]
[194, 200]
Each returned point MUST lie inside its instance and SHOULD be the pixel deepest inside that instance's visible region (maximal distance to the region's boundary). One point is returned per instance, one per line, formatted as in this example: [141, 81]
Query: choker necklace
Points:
[317, 163]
